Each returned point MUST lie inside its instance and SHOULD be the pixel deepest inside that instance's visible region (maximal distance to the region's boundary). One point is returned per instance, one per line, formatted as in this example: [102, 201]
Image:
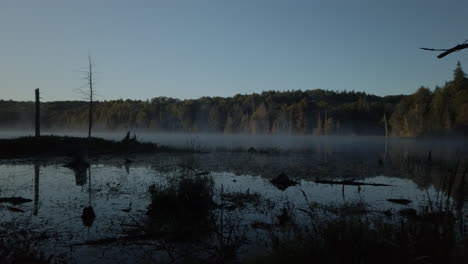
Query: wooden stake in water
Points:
[38, 115]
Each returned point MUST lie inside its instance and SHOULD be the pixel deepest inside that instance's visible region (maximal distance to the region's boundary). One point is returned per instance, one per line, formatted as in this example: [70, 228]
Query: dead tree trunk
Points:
[38, 115]
[90, 79]
[89, 94]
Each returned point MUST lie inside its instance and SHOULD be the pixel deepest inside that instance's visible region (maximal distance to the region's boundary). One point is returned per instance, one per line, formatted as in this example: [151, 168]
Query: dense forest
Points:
[439, 112]
[318, 112]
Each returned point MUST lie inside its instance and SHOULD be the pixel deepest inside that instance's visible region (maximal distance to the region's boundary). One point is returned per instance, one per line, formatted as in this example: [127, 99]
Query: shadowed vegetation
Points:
[182, 210]
[20, 245]
[57, 146]
[354, 240]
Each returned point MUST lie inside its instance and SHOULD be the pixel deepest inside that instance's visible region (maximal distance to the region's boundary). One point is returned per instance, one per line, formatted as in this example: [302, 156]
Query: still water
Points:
[117, 187]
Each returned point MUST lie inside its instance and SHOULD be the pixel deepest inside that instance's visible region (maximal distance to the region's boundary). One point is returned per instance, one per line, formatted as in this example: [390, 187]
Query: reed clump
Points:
[181, 210]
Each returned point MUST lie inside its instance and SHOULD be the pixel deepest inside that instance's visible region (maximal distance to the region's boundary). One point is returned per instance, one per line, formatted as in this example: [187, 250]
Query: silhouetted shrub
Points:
[182, 210]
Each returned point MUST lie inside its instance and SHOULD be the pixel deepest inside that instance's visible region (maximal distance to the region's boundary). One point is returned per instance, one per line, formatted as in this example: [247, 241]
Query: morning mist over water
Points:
[278, 143]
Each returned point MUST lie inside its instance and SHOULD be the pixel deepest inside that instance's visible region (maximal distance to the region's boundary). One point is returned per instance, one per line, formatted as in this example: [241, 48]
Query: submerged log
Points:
[400, 201]
[350, 182]
[14, 209]
[110, 240]
[14, 200]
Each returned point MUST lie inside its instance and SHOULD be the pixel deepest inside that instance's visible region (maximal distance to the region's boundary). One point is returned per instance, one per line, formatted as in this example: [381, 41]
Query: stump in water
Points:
[88, 216]
[252, 150]
[282, 181]
[129, 139]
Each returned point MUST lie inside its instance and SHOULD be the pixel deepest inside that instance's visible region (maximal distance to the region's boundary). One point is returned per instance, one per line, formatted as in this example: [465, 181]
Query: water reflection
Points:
[36, 188]
[88, 214]
[80, 176]
[70, 199]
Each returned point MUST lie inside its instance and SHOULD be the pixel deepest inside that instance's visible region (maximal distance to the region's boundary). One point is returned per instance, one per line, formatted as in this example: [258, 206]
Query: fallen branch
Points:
[14, 209]
[400, 201]
[350, 182]
[111, 240]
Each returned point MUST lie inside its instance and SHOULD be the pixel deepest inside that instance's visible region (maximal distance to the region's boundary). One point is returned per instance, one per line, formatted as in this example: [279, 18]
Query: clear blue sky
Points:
[194, 48]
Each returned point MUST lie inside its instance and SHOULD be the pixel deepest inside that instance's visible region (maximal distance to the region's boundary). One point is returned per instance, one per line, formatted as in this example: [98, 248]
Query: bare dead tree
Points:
[90, 75]
[89, 92]
[446, 52]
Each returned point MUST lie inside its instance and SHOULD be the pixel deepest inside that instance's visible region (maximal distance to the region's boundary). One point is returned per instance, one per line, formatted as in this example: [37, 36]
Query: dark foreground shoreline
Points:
[22, 147]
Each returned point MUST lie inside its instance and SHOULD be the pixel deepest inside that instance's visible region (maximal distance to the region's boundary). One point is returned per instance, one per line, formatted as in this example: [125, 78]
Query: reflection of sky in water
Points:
[61, 199]
[120, 197]
[62, 195]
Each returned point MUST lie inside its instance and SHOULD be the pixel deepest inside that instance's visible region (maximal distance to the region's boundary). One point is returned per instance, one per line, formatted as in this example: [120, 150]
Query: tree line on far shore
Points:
[443, 111]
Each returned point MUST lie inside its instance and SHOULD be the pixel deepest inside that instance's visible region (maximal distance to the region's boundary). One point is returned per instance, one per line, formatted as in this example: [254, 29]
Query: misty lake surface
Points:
[117, 187]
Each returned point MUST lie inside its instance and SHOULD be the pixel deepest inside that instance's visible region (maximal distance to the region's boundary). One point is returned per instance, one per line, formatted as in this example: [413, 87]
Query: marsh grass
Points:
[185, 212]
[350, 239]
[182, 209]
[20, 244]
[352, 233]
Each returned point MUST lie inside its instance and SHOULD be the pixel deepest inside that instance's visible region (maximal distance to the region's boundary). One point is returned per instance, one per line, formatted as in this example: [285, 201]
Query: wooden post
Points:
[38, 115]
